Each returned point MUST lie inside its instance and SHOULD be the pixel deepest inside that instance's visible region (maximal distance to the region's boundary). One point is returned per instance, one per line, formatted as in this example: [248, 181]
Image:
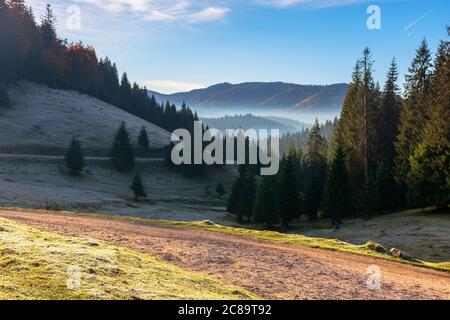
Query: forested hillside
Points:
[263, 96]
[387, 151]
[32, 51]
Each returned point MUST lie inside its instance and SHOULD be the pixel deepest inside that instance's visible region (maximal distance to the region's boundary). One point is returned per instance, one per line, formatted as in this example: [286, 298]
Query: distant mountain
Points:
[249, 121]
[262, 96]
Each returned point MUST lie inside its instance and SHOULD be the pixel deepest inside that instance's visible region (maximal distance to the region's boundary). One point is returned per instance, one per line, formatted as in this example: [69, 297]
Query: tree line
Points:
[387, 151]
[33, 51]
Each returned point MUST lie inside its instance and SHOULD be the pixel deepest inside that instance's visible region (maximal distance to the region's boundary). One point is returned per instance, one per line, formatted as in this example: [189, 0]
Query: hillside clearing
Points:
[39, 265]
[43, 120]
[42, 182]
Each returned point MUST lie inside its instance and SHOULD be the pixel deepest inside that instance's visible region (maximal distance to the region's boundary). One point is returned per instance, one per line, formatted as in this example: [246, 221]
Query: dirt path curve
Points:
[274, 271]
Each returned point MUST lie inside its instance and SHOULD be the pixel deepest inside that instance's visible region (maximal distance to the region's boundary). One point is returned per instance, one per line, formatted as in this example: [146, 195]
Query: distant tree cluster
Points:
[121, 155]
[297, 188]
[300, 138]
[31, 51]
[384, 153]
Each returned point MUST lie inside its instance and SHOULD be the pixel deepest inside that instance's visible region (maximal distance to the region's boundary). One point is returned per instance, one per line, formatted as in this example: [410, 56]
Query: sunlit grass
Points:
[37, 265]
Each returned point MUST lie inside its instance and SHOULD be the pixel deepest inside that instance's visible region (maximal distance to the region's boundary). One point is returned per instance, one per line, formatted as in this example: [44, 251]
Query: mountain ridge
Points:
[262, 96]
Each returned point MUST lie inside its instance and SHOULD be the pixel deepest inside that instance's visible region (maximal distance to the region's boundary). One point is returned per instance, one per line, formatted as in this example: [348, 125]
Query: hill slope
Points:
[263, 96]
[43, 120]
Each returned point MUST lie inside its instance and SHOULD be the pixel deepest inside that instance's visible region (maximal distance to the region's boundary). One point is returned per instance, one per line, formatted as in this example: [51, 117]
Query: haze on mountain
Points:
[249, 121]
[262, 98]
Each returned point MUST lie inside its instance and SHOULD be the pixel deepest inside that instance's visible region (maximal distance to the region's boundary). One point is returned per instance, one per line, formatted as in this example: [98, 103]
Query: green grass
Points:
[370, 248]
[36, 265]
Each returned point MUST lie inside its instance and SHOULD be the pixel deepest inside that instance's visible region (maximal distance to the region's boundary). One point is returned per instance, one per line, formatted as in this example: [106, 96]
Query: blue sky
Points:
[177, 45]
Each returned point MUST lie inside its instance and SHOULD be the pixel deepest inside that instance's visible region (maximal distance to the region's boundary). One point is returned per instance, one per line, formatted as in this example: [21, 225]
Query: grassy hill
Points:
[43, 120]
[41, 265]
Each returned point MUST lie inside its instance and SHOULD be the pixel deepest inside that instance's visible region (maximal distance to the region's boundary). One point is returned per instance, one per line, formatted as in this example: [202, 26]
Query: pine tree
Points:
[288, 190]
[4, 98]
[357, 128]
[121, 152]
[413, 115]
[220, 189]
[74, 157]
[48, 27]
[428, 180]
[388, 194]
[316, 170]
[390, 113]
[138, 187]
[248, 195]
[143, 139]
[235, 195]
[368, 200]
[337, 200]
[267, 210]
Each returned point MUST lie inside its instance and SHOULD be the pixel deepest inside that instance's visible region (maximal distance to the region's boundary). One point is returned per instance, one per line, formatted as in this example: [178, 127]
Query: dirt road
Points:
[271, 270]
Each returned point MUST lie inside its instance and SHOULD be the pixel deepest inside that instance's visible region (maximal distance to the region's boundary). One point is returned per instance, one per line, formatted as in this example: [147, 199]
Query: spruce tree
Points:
[316, 170]
[248, 194]
[122, 154]
[220, 189]
[357, 128]
[267, 210]
[388, 194]
[48, 27]
[4, 98]
[288, 190]
[234, 197]
[389, 113]
[74, 157]
[428, 180]
[368, 198]
[413, 116]
[337, 200]
[143, 139]
[138, 187]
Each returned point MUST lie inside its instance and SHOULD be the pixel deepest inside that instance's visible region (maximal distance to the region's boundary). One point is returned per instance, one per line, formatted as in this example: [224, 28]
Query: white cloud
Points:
[170, 86]
[308, 3]
[191, 11]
